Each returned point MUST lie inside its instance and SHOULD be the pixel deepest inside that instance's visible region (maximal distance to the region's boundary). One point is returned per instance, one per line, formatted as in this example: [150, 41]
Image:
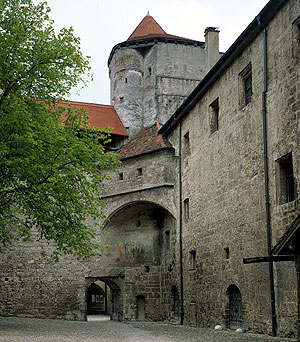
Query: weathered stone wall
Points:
[131, 267]
[148, 83]
[223, 178]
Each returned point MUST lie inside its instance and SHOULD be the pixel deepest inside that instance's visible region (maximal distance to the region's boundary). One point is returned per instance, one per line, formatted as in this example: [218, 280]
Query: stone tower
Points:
[153, 72]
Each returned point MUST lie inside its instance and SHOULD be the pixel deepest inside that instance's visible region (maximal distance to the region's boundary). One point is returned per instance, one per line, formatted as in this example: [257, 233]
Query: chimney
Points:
[211, 35]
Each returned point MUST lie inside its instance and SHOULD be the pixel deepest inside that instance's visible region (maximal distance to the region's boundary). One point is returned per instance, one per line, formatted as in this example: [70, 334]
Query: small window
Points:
[138, 223]
[121, 99]
[149, 71]
[285, 179]
[186, 208]
[139, 172]
[186, 145]
[193, 314]
[193, 259]
[226, 250]
[214, 116]
[246, 85]
[126, 80]
[147, 269]
[121, 176]
[167, 237]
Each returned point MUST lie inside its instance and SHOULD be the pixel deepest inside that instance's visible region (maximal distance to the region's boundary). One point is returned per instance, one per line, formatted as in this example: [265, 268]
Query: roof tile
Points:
[146, 142]
[100, 116]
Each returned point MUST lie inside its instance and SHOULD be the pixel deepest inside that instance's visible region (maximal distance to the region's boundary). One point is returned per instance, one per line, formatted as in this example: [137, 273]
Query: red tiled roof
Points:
[100, 116]
[146, 142]
[149, 28]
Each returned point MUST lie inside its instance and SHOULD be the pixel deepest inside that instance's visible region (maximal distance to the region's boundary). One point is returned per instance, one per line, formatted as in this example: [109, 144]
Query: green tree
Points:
[51, 163]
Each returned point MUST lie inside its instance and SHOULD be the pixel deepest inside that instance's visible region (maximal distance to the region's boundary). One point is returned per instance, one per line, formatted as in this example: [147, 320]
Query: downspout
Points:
[266, 171]
[180, 225]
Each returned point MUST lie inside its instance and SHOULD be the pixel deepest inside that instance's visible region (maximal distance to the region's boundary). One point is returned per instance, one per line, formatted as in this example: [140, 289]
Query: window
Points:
[139, 172]
[193, 259]
[126, 80]
[186, 145]
[214, 116]
[186, 205]
[149, 71]
[121, 176]
[246, 85]
[121, 99]
[285, 179]
[226, 252]
[167, 237]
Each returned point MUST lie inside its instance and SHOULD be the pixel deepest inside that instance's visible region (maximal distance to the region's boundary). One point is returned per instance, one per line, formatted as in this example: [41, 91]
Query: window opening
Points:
[167, 235]
[186, 145]
[121, 176]
[150, 71]
[186, 208]
[246, 85]
[214, 116]
[193, 259]
[226, 252]
[139, 171]
[286, 184]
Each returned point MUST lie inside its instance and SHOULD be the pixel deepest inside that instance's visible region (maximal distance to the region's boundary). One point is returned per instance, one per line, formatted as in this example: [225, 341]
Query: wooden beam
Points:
[267, 259]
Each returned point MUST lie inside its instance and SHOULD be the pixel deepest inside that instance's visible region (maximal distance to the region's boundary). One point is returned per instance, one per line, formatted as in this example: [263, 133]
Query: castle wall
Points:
[223, 178]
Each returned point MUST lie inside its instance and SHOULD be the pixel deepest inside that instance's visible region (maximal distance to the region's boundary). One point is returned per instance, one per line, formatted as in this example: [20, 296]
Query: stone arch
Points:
[111, 292]
[135, 233]
[234, 309]
[126, 204]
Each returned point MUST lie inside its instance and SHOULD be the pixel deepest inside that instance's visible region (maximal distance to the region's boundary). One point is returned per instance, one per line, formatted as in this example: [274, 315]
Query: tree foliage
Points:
[51, 163]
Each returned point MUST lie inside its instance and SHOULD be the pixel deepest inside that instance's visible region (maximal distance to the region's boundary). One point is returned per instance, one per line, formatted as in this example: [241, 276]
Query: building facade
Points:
[210, 176]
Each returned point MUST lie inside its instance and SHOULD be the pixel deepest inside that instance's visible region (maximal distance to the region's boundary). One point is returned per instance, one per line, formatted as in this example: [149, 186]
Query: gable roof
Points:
[292, 234]
[100, 116]
[148, 141]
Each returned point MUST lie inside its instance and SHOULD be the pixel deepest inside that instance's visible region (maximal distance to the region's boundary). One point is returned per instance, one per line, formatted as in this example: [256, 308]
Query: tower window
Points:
[285, 179]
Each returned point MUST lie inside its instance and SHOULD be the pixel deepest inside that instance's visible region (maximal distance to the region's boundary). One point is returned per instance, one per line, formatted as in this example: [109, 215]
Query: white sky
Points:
[101, 24]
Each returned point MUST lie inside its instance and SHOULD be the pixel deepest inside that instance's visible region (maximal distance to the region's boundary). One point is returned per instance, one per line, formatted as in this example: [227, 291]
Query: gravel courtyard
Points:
[14, 329]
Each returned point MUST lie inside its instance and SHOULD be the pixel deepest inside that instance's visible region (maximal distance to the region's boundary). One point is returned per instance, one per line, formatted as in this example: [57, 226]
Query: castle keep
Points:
[210, 176]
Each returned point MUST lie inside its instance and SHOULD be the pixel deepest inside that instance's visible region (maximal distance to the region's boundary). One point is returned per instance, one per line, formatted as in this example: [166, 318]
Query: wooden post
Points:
[297, 264]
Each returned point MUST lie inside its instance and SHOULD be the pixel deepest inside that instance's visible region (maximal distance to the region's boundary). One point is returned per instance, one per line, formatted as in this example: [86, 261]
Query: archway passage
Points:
[96, 299]
[235, 320]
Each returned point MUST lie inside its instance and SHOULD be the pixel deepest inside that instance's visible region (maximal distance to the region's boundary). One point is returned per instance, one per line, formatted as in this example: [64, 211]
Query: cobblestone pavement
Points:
[14, 329]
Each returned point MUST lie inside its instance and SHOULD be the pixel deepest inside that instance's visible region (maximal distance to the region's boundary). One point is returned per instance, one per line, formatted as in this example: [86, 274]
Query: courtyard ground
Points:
[14, 329]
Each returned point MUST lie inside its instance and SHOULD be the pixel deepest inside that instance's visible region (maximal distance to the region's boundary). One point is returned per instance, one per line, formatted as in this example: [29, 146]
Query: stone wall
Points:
[226, 168]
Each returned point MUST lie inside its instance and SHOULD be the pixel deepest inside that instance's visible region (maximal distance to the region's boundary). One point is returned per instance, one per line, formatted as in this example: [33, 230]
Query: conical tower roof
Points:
[148, 27]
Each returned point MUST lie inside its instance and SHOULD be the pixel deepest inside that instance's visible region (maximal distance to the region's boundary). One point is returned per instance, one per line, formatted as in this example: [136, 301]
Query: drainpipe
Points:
[297, 264]
[266, 171]
[180, 224]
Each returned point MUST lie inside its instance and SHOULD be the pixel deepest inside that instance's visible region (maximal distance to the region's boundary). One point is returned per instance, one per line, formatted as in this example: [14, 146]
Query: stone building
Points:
[210, 176]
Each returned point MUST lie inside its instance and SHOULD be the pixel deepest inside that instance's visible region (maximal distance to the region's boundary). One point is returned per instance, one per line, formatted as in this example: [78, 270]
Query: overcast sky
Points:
[101, 24]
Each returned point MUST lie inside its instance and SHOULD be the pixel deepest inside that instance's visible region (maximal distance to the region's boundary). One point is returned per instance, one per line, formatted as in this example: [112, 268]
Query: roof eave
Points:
[148, 152]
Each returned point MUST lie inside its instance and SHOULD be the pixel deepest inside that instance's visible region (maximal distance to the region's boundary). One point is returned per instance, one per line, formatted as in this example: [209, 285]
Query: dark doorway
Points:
[235, 320]
[95, 300]
[140, 308]
[174, 302]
